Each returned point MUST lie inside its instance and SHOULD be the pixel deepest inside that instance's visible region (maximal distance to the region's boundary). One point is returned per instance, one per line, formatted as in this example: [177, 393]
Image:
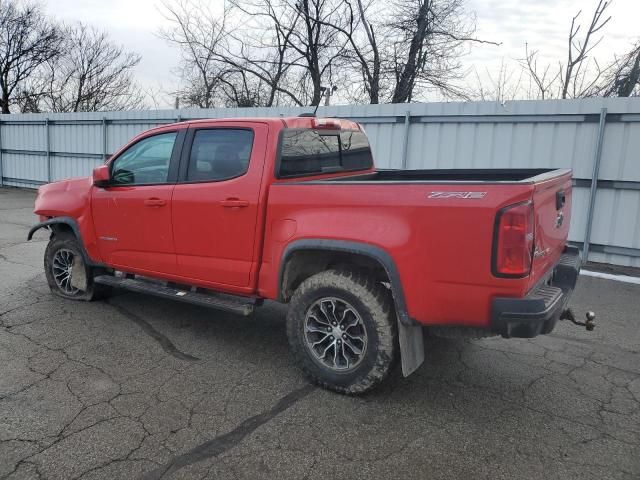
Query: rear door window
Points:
[311, 152]
[219, 154]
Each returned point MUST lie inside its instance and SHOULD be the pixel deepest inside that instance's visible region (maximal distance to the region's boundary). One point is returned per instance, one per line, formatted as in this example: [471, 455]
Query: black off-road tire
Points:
[68, 241]
[373, 303]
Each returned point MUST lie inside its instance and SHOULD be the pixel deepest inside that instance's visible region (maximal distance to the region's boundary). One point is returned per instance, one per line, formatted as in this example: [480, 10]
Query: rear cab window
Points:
[219, 154]
[306, 152]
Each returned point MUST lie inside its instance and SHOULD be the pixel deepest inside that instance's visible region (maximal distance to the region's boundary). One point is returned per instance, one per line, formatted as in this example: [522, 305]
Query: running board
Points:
[229, 303]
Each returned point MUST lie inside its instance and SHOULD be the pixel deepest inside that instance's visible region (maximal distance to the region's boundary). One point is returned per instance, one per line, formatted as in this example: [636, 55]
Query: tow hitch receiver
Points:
[590, 324]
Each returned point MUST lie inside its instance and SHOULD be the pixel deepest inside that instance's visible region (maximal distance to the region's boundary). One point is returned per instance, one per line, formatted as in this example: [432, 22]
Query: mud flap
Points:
[411, 347]
[78, 274]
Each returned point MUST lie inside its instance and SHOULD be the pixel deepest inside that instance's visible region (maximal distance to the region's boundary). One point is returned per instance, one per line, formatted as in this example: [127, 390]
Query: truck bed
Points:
[511, 175]
[438, 226]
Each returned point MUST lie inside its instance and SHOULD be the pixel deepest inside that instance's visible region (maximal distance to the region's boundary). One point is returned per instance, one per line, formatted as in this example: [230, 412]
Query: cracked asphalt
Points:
[137, 387]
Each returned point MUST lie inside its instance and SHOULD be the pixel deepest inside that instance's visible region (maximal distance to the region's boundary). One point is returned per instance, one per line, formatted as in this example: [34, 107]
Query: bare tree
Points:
[318, 43]
[365, 51]
[544, 79]
[577, 77]
[267, 52]
[411, 46]
[293, 52]
[362, 53]
[155, 97]
[578, 50]
[300, 58]
[282, 51]
[622, 77]
[241, 89]
[263, 51]
[27, 41]
[232, 65]
[428, 39]
[502, 86]
[90, 74]
[198, 32]
[371, 68]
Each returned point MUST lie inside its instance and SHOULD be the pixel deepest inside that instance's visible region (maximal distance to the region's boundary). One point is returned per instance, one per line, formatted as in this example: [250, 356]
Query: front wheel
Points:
[342, 331]
[62, 255]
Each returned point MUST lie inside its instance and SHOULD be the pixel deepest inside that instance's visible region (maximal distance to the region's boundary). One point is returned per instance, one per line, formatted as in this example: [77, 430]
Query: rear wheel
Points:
[342, 331]
[62, 255]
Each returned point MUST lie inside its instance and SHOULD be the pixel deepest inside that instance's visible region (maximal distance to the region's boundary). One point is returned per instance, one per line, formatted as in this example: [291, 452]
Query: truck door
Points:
[215, 202]
[132, 215]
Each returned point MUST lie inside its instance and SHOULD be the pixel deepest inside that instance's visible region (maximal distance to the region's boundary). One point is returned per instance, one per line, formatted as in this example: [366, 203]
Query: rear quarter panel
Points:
[441, 247]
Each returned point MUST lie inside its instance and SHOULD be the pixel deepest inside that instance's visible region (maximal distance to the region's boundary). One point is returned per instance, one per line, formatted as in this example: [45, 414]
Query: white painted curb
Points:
[610, 276]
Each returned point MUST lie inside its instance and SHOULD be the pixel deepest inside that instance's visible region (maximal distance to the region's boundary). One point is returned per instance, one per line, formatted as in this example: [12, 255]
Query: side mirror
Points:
[101, 176]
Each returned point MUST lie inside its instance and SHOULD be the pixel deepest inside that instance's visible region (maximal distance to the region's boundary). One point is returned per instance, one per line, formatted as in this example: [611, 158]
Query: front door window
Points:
[146, 162]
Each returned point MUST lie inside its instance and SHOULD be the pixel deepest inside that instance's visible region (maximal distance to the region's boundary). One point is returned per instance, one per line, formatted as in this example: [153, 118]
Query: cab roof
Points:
[287, 122]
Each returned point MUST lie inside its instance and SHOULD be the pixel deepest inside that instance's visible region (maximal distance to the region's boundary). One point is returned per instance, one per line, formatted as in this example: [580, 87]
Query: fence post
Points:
[405, 140]
[594, 184]
[104, 139]
[1, 170]
[48, 142]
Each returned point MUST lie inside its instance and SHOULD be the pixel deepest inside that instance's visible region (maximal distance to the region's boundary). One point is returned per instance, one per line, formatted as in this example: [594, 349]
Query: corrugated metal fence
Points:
[598, 138]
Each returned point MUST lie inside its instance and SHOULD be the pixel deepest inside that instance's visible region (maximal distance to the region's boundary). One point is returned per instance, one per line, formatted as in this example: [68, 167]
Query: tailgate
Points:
[552, 210]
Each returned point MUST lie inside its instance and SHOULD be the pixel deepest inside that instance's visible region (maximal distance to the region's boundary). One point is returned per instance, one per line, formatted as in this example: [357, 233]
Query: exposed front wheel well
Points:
[64, 227]
[61, 229]
[302, 264]
[57, 225]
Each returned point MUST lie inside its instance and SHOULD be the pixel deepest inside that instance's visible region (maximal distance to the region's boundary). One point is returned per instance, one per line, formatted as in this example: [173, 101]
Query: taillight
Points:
[513, 241]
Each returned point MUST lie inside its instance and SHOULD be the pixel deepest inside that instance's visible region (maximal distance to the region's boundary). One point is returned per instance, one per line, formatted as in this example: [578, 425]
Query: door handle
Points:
[155, 202]
[234, 203]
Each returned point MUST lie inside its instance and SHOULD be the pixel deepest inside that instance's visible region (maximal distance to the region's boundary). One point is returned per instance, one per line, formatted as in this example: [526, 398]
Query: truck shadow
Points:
[192, 333]
[493, 368]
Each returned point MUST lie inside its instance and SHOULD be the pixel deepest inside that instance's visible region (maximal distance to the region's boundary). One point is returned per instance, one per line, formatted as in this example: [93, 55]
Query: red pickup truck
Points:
[227, 213]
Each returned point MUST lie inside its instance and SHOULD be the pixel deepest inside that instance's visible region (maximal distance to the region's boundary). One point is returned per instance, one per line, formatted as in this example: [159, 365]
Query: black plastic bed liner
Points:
[474, 175]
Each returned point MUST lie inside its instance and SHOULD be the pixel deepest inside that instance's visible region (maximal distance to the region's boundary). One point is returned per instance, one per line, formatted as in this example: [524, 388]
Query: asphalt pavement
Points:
[139, 387]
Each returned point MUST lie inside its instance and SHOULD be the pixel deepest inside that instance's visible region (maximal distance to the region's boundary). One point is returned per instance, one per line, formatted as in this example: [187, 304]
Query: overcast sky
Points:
[544, 24]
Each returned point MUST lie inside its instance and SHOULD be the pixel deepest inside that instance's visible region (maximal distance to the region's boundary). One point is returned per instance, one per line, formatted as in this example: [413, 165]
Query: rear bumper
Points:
[538, 312]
